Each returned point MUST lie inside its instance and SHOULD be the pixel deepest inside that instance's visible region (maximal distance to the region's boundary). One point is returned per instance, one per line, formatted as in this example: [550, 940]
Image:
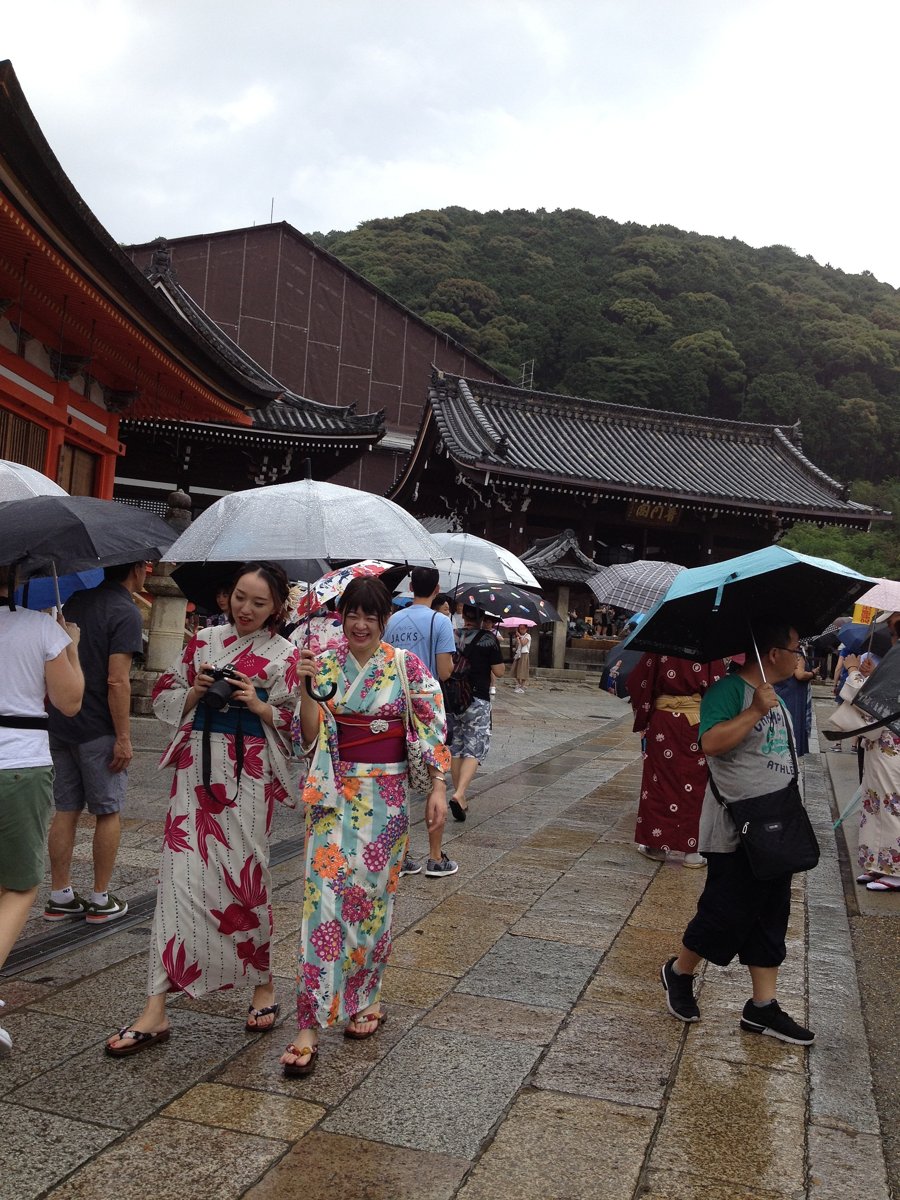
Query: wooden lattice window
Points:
[22, 441]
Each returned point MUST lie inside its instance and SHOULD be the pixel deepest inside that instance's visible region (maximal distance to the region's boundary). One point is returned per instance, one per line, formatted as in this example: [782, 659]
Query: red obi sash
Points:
[370, 740]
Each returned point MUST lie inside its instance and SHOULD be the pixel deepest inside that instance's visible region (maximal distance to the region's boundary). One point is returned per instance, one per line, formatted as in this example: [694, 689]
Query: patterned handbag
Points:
[418, 775]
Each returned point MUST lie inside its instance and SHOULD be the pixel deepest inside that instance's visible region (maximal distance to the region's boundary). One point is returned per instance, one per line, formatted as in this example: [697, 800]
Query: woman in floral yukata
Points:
[213, 923]
[357, 818]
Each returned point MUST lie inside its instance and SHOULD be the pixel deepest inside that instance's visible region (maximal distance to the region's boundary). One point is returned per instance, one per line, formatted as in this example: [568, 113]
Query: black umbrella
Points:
[879, 696]
[77, 533]
[506, 600]
[626, 661]
[200, 581]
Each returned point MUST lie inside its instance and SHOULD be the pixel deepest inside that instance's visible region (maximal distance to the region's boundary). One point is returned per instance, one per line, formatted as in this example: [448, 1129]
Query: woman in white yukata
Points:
[213, 923]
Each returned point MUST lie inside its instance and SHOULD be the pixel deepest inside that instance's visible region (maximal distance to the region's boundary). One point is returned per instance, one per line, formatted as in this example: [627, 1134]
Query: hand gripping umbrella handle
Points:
[330, 690]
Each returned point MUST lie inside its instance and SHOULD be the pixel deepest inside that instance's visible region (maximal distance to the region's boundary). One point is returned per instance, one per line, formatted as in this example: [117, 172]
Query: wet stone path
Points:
[527, 1050]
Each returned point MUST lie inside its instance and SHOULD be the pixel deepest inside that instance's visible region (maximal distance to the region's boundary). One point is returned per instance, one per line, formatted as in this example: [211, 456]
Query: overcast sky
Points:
[774, 121]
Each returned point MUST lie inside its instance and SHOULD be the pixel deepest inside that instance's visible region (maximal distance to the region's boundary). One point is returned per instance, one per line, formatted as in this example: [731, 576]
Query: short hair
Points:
[441, 599]
[767, 635]
[121, 571]
[370, 595]
[277, 582]
[423, 580]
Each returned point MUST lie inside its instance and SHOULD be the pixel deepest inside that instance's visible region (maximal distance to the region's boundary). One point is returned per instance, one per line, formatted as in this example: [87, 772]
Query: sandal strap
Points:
[264, 1012]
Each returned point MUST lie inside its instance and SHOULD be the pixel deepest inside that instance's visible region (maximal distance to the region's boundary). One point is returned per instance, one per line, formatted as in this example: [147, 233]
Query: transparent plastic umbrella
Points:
[18, 482]
[476, 559]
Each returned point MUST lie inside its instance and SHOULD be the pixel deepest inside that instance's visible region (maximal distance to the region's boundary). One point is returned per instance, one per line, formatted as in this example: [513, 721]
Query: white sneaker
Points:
[694, 860]
[520, 691]
[5, 1038]
[493, 691]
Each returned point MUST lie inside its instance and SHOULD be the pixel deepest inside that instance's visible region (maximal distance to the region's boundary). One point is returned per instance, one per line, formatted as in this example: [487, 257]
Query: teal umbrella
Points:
[709, 612]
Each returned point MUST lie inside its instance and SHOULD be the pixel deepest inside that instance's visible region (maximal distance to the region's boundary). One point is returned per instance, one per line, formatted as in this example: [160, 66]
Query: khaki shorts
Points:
[26, 802]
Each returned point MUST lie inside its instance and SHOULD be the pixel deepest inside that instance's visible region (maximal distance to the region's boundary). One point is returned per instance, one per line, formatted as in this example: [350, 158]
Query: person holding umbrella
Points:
[231, 698]
[383, 709]
[746, 739]
[521, 657]
[40, 657]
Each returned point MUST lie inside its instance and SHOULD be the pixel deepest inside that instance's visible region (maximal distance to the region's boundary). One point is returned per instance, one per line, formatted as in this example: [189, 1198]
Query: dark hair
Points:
[441, 599]
[471, 613]
[276, 581]
[767, 635]
[121, 571]
[368, 594]
[424, 580]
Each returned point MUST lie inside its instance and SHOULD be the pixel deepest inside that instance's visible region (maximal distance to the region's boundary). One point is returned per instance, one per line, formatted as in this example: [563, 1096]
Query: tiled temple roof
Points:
[286, 412]
[590, 446]
[547, 559]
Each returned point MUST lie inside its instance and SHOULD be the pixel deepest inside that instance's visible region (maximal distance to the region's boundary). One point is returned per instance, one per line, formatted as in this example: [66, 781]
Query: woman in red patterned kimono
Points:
[665, 695]
[213, 923]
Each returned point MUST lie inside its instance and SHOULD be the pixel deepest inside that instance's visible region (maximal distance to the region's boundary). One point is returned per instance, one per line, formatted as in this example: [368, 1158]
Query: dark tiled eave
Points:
[565, 444]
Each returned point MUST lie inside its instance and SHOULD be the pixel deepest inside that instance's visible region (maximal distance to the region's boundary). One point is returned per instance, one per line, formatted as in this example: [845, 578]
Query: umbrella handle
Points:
[326, 695]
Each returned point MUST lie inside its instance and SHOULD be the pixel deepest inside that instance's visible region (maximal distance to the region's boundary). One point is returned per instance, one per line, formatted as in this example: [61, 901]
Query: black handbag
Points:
[774, 829]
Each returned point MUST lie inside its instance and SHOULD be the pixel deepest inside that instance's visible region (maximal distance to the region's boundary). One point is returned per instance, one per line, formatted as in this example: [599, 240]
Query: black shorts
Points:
[739, 915]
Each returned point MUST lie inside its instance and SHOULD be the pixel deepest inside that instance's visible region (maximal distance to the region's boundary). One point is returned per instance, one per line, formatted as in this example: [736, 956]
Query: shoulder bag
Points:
[774, 829]
[418, 775]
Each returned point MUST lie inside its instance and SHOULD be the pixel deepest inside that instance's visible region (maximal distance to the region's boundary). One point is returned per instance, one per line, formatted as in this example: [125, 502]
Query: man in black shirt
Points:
[470, 733]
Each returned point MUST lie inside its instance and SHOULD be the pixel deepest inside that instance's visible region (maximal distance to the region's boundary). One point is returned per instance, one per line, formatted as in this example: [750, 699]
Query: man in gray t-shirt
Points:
[746, 736]
[91, 752]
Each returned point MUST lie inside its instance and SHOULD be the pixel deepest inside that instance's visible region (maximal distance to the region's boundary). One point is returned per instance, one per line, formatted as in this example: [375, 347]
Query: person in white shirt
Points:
[521, 660]
[40, 657]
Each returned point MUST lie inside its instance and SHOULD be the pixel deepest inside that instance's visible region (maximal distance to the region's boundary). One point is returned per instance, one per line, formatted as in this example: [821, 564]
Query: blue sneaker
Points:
[437, 869]
[410, 867]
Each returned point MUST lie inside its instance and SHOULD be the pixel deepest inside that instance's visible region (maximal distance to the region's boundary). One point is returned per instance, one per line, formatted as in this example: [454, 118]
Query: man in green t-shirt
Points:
[745, 735]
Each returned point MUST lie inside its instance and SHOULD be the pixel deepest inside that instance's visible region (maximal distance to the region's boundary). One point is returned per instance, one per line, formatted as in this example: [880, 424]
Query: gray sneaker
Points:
[446, 866]
[98, 914]
[410, 866]
[76, 907]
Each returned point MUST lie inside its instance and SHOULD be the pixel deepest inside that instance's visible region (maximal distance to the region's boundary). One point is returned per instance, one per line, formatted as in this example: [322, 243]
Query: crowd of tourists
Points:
[380, 711]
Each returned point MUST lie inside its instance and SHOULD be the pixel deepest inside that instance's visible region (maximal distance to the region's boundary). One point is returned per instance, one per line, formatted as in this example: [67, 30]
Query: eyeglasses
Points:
[790, 649]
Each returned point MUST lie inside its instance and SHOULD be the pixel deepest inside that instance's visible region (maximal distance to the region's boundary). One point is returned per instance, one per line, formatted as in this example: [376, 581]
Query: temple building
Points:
[94, 354]
[322, 329]
[517, 466]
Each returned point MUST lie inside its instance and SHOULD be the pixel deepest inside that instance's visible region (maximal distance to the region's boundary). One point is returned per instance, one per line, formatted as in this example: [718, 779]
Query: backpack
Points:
[457, 687]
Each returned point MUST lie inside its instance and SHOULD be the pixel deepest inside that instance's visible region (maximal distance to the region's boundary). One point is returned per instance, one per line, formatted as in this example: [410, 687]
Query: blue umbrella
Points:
[708, 612]
[41, 592]
[855, 638]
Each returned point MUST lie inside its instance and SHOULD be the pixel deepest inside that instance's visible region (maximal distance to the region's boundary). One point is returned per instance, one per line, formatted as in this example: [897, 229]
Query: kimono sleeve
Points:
[172, 688]
[641, 686]
[427, 718]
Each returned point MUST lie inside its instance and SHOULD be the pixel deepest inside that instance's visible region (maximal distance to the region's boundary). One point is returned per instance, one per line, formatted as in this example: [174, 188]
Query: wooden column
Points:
[560, 628]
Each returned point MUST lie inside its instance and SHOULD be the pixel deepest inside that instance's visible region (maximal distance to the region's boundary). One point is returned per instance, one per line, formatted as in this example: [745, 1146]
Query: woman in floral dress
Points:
[357, 819]
[213, 923]
[879, 818]
[665, 693]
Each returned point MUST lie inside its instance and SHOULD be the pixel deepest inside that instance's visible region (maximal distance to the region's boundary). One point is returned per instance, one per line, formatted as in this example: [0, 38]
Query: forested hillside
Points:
[663, 318]
[658, 317]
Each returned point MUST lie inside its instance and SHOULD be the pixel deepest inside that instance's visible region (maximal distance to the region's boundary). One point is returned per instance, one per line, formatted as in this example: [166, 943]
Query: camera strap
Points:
[206, 751]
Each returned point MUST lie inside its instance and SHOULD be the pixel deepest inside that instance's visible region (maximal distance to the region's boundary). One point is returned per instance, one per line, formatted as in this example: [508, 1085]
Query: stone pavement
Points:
[527, 1050]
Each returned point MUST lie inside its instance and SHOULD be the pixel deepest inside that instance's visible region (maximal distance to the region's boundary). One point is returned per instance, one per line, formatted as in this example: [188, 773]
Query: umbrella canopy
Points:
[306, 519]
[77, 533]
[505, 600]
[201, 581]
[884, 595]
[515, 622]
[332, 584]
[857, 638]
[708, 611]
[635, 586]
[477, 559]
[41, 591]
[626, 660]
[879, 696]
[18, 482]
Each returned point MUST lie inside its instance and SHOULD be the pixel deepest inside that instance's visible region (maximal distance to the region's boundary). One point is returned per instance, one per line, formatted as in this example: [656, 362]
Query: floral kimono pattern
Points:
[213, 923]
[665, 693]
[357, 827]
[879, 818]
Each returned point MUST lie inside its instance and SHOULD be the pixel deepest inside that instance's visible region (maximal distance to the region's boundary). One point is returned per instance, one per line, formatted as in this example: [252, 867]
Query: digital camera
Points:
[219, 694]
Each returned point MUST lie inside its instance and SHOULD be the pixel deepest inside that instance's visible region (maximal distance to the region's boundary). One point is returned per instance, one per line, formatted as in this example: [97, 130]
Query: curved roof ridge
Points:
[499, 440]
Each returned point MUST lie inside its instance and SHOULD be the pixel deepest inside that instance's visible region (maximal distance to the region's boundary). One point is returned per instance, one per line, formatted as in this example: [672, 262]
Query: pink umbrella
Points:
[515, 622]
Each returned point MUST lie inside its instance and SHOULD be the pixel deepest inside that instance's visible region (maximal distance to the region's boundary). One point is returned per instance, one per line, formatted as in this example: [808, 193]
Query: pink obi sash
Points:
[367, 740]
